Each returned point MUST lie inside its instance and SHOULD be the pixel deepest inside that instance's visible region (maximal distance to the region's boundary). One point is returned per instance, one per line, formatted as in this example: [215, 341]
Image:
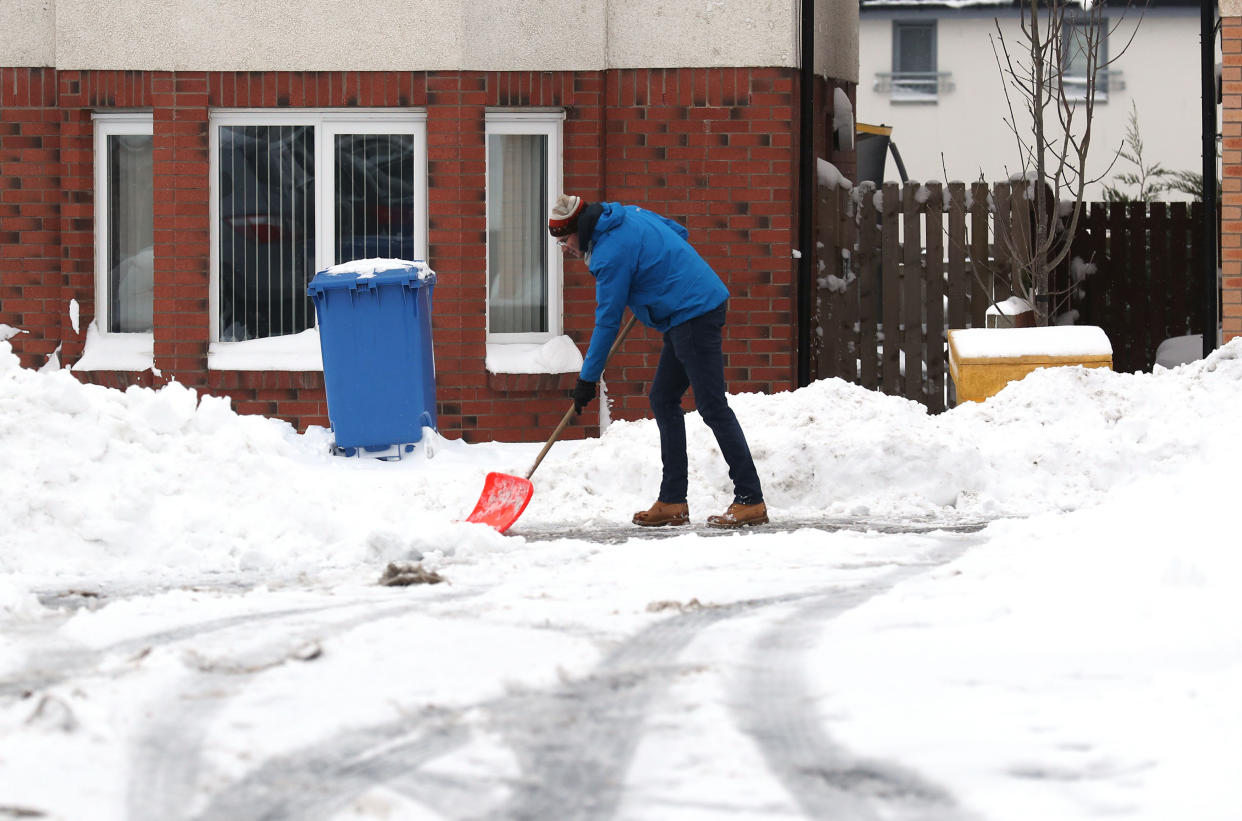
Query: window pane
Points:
[130, 245]
[374, 197]
[517, 245]
[1076, 44]
[267, 230]
[917, 48]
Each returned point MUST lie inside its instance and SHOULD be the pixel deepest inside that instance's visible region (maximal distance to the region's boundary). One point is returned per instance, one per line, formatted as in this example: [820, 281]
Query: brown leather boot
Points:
[741, 516]
[661, 514]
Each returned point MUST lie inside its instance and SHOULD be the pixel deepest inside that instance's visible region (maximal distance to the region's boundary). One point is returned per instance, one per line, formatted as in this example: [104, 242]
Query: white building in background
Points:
[928, 69]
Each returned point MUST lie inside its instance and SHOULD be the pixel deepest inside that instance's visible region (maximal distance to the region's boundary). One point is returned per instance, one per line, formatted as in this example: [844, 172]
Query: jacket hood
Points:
[613, 214]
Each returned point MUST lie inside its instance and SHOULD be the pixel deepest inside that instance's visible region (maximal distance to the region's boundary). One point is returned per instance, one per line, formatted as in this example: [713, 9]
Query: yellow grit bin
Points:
[984, 360]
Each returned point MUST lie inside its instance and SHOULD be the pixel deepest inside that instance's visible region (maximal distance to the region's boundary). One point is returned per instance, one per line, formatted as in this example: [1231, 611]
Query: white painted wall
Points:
[376, 35]
[1160, 69]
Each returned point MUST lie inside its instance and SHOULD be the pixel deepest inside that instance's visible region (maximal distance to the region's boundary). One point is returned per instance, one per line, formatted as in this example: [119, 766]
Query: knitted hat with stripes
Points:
[564, 218]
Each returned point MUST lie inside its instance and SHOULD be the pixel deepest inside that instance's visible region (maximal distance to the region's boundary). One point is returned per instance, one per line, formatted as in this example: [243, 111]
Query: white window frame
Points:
[548, 123]
[111, 124]
[327, 123]
[1076, 84]
[901, 92]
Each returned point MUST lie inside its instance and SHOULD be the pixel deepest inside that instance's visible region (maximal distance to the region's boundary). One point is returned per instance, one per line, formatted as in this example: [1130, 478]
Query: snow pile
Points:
[1060, 439]
[165, 481]
[1074, 666]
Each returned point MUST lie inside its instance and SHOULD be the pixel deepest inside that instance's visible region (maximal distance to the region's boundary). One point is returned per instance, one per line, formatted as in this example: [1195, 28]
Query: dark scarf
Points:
[586, 224]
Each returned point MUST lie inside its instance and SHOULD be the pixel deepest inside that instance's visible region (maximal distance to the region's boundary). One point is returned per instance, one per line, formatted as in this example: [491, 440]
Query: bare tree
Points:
[1051, 111]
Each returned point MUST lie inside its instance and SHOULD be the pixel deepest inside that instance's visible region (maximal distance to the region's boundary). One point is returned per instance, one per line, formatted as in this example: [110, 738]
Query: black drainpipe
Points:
[1207, 249]
[806, 192]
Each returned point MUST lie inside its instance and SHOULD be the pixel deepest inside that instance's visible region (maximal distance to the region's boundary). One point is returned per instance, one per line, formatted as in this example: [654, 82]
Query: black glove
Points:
[582, 393]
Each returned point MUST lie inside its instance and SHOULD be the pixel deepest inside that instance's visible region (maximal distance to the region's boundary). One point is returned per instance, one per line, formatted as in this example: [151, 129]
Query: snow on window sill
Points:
[295, 352]
[116, 352]
[1081, 96]
[557, 355]
[913, 97]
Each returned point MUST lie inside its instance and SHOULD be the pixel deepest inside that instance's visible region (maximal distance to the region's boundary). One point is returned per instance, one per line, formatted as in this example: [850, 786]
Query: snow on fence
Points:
[900, 265]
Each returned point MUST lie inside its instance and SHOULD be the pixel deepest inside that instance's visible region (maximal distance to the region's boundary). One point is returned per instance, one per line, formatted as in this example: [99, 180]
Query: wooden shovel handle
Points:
[569, 414]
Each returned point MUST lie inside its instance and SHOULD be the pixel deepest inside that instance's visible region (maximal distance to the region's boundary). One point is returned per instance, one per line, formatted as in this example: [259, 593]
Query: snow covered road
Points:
[601, 719]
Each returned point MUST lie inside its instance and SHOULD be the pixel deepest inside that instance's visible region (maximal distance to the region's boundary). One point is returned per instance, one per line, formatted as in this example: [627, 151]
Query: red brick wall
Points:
[712, 148]
[30, 212]
[1231, 179]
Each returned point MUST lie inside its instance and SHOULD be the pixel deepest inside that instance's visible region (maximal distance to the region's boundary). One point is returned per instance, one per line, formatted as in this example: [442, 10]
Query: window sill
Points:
[116, 352]
[296, 352]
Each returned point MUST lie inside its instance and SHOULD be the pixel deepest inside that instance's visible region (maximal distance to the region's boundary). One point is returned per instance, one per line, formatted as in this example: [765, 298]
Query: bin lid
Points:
[1042, 344]
[372, 273]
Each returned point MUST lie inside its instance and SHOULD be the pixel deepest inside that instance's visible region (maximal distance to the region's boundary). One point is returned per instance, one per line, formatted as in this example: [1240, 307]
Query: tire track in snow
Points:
[320, 783]
[774, 705]
[575, 744]
[56, 660]
[168, 748]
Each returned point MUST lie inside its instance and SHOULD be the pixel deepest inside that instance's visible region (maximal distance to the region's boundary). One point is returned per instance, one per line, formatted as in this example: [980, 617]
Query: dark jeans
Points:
[692, 358]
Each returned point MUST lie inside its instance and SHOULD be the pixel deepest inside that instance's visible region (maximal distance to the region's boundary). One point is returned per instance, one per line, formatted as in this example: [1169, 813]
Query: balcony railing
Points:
[926, 86]
[914, 86]
[1106, 81]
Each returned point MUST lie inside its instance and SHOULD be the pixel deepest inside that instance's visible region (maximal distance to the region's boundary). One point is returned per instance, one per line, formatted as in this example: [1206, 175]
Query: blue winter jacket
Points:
[642, 260]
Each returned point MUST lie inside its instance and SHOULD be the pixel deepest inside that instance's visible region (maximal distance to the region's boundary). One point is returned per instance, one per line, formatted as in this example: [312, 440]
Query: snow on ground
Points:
[1077, 657]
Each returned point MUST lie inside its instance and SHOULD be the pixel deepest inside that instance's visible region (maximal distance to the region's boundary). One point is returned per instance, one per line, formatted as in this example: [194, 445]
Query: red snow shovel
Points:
[505, 496]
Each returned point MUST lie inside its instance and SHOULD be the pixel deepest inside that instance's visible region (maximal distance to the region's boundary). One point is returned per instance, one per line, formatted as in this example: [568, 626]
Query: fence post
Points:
[891, 286]
[868, 270]
[934, 305]
[980, 258]
[1116, 312]
[1158, 261]
[1200, 323]
[957, 287]
[912, 294]
[1002, 267]
[847, 248]
[822, 343]
[1183, 292]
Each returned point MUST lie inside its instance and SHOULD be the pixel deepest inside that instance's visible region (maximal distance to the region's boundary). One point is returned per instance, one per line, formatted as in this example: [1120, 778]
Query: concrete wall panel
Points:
[667, 33]
[236, 35]
[417, 35]
[29, 33]
[836, 39]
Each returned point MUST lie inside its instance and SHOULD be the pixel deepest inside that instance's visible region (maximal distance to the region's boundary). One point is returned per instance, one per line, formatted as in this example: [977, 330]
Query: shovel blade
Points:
[503, 500]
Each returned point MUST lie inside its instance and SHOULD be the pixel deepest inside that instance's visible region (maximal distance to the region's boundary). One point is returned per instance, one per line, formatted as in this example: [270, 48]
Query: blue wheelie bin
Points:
[378, 369]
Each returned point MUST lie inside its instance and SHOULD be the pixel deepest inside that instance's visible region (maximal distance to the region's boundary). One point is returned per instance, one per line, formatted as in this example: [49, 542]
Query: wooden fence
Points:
[900, 265]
